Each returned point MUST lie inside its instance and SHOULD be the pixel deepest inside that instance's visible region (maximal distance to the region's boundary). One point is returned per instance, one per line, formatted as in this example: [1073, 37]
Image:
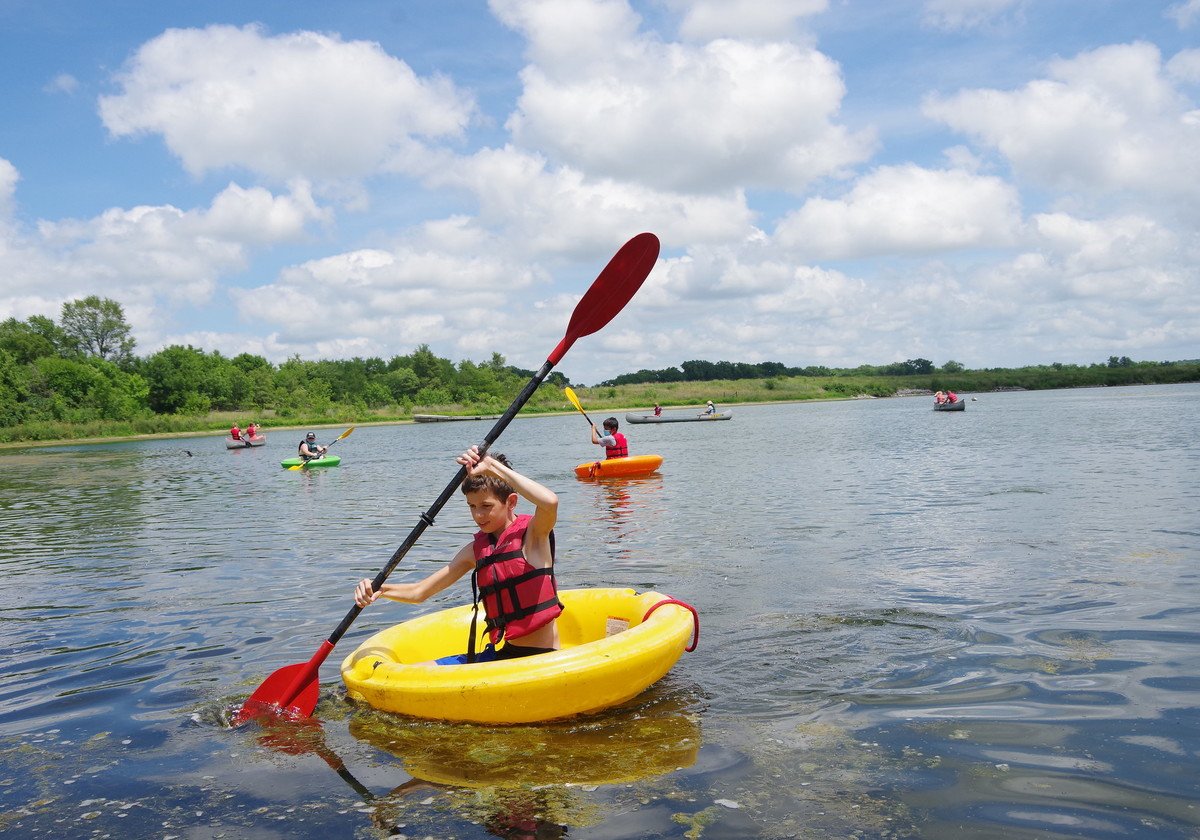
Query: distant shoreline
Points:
[33, 444]
[268, 430]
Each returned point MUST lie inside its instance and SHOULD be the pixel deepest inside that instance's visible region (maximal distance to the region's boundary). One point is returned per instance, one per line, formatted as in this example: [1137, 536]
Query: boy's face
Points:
[490, 513]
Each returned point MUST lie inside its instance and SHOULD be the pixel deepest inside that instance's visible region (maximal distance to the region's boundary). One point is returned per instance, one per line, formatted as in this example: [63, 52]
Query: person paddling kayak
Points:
[309, 448]
[615, 444]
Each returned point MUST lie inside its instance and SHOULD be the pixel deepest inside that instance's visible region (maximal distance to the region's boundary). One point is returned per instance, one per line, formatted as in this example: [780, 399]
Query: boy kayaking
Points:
[511, 560]
[615, 444]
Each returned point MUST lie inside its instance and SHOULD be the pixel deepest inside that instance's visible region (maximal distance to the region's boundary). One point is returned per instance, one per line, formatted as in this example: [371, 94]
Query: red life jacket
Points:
[621, 450]
[517, 598]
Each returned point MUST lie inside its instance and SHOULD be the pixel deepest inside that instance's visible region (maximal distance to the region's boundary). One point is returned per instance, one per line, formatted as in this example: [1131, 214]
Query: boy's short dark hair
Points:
[610, 423]
[498, 487]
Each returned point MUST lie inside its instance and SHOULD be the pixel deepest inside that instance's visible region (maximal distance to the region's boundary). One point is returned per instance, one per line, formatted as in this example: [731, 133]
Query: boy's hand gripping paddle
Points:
[293, 689]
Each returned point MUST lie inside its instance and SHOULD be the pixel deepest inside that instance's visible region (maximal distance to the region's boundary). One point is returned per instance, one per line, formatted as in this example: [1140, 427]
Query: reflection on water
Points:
[938, 625]
[613, 748]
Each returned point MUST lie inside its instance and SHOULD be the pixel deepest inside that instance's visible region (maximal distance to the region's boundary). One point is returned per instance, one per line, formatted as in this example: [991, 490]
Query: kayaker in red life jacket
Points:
[615, 444]
[951, 397]
[511, 560]
[235, 432]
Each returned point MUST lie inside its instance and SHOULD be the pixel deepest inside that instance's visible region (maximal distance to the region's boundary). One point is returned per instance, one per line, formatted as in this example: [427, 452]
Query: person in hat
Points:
[710, 408]
[309, 448]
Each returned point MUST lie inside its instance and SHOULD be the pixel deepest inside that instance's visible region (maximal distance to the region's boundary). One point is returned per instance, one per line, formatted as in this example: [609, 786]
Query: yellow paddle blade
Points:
[571, 396]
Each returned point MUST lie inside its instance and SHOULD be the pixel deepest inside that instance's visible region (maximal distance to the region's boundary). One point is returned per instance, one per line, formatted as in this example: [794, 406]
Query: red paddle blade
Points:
[292, 691]
[609, 293]
[271, 698]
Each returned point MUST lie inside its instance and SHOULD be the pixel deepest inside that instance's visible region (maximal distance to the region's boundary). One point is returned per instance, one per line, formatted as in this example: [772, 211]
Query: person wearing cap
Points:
[309, 448]
[614, 443]
[710, 408]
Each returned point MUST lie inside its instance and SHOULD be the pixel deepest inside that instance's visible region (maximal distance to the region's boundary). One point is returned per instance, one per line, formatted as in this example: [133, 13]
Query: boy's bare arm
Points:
[543, 498]
[422, 590]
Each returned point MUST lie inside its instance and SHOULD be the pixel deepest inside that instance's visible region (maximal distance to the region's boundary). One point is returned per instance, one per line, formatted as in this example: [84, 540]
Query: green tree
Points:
[175, 376]
[14, 389]
[88, 389]
[32, 339]
[97, 327]
[431, 369]
[401, 382]
[952, 367]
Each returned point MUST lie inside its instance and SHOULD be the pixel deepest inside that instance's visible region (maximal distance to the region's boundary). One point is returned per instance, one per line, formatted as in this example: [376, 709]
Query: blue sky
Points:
[998, 182]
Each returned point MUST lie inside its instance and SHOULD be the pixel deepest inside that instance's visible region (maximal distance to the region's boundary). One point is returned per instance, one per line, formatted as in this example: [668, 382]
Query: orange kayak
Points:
[619, 467]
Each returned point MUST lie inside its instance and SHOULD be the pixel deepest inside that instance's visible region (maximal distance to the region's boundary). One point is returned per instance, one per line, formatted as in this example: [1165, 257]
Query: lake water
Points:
[913, 624]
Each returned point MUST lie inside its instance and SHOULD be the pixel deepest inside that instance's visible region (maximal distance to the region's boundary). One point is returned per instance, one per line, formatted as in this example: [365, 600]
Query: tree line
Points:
[82, 369]
[60, 378]
[1118, 370]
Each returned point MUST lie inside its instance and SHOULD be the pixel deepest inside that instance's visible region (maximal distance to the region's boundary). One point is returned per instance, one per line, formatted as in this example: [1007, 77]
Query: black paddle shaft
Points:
[428, 516]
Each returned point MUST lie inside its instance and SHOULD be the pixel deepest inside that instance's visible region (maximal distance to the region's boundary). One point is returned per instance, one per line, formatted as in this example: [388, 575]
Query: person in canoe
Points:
[309, 448]
[615, 444]
[657, 410]
[235, 432]
[511, 561]
[951, 397]
[709, 408]
[939, 398]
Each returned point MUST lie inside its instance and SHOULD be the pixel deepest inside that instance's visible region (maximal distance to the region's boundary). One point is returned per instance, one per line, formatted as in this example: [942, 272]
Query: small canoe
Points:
[678, 418]
[313, 463]
[619, 467]
[954, 406]
[616, 643]
[238, 443]
[445, 418]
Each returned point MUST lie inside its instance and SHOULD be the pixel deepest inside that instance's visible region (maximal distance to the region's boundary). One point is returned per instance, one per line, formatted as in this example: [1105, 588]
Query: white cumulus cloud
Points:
[709, 117]
[1106, 121]
[302, 104]
[905, 209]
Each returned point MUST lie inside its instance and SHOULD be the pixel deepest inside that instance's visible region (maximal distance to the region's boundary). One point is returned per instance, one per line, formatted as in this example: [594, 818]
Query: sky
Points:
[834, 182]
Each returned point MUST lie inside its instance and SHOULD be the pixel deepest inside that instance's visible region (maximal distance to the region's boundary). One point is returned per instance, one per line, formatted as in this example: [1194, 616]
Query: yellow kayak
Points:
[615, 644]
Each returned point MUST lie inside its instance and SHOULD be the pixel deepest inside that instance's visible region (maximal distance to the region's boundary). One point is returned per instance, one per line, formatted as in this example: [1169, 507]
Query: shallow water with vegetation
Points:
[913, 624]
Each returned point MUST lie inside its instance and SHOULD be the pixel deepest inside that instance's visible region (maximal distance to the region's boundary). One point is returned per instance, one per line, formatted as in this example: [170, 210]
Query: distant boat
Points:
[727, 414]
[954, 406]
[445, 418]
[244, 443]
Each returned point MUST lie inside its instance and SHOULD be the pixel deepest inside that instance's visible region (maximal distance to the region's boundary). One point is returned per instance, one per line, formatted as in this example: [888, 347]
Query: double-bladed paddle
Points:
[293, 689]
[304, 464]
